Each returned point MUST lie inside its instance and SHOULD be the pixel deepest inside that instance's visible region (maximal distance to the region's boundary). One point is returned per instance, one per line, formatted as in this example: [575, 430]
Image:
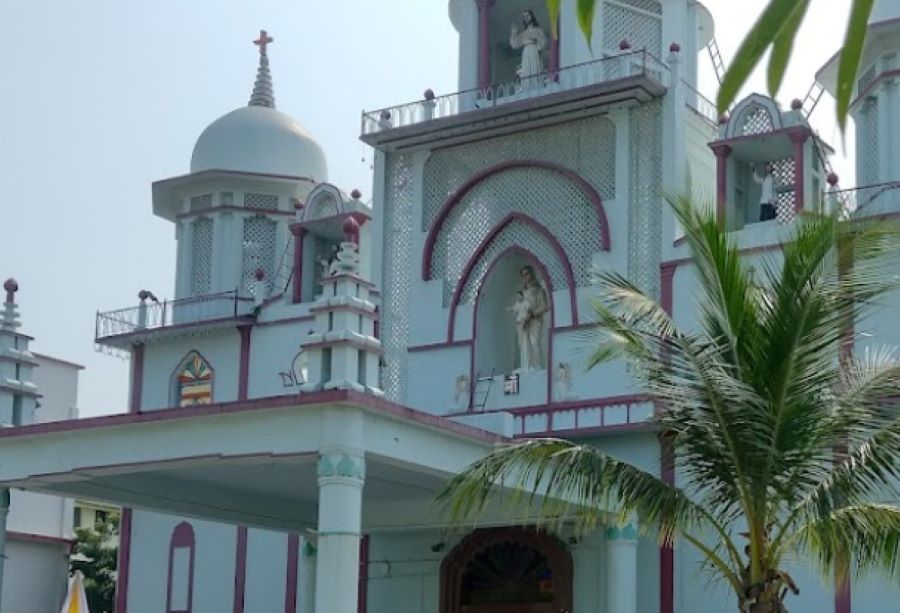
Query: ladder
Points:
[812, 98]
[716, 56]
[282, 280]
[481, 390]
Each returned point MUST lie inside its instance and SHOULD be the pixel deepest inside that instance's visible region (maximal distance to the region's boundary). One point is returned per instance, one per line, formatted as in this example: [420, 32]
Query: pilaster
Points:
[4, 514]
[621, 568]
[308, 555]
[621, 118]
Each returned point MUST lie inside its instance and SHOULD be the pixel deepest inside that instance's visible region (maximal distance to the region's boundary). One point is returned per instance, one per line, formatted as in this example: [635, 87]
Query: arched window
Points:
[193, 381]
[180, 591]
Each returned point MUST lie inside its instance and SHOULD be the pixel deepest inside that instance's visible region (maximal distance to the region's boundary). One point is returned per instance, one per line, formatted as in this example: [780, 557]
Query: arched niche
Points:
[192, 381]
[498, 335]
[507, 569]
[755, 114]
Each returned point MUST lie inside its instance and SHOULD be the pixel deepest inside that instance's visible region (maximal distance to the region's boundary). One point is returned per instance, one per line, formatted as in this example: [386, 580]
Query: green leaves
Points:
[585, 9]
[851, 56]
[783, 45]
[553, 11]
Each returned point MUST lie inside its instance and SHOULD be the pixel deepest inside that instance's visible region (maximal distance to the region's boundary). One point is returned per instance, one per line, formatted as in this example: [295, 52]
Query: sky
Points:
[100, 98]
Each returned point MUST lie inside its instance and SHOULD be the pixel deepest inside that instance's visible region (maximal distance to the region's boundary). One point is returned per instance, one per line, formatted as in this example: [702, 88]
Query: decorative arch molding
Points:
[180, 586]
[583, 186]
[742, 122]
[326, 200]
[455, 566]
[194, 374]
[482, 249]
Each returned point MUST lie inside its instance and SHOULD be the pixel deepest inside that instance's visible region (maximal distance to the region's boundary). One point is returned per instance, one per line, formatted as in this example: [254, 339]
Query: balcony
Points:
[870, 200]
[168, 318]
[589, 87]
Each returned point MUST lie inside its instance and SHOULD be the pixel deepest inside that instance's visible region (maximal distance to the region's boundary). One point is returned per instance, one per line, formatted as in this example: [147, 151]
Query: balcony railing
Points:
[636, 63]
[705, 107]
[865, 198]
[170, 313]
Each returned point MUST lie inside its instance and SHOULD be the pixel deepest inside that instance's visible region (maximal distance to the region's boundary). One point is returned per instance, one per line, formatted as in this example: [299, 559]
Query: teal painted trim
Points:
[309, 550]
[341, 465]
[325, 468]
[628, 532]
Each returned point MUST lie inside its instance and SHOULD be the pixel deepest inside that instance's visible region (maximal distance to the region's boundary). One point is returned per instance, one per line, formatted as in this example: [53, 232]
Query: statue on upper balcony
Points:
[529, 309]
[531, 40]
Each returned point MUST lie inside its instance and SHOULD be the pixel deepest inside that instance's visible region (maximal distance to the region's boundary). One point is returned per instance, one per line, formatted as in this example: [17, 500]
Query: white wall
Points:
[266, 571]
[34, 577]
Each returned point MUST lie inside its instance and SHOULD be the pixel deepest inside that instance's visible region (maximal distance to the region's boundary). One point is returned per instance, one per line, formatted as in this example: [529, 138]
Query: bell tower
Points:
[18, 394]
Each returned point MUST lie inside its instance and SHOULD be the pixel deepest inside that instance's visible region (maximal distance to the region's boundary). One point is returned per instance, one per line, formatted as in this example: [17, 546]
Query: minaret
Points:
[18, 395]
[343, 351]
[263, 91]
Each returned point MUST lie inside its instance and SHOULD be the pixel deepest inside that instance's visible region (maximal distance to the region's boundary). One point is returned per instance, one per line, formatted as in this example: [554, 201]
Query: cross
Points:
[263, 40]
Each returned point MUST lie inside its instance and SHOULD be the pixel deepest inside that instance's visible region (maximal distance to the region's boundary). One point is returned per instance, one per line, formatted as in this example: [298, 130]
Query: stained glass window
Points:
[194, 381]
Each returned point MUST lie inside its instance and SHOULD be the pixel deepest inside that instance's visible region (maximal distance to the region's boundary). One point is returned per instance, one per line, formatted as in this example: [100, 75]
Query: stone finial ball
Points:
[796, 104]
[832, 179]
[723, 119]
[356, 194]
[624, 45]
[11, 285]
[675, 48]
[259, 274]
[297, 204]
[429, 94]
[350, 227]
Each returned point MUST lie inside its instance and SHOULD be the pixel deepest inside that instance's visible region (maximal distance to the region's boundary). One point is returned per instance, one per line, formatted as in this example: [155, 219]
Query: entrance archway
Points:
[507, 570]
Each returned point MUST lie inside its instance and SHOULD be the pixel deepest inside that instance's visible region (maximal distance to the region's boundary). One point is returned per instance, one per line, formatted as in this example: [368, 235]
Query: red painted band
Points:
[124, 563]
[293, 559]
[137, 377]
[362, 604]
[240, 569]
[244, 362]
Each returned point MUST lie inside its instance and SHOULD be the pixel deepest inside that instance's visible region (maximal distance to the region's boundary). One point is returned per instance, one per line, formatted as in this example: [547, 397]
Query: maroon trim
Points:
[345, 343]
[137, 377]
[244, 362]
[666, 552]
[799, 139]
[242, 173]
[182, 536]
[748, 251]
[284, 322]
[441, 345]
[749, 137]
[257, 404]
[360, 217]
[124, 563]
[149, 333]
[554, 55]
[887, 74]
[240, 569]
[543, 271]
[30, 537]
[455, 199]
[362, 600]
[293, 560]
[233, 208]
[667, 292]
[722, 152]
[297, 293]
[482, 248]
[484, 42]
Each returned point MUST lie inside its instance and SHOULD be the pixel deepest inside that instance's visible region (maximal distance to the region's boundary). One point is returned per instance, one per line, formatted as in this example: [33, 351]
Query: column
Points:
[297, 276]
[885, 130]
[722, 152]
[308, 574]
[484, 42]
[621, 569]
[341, 476]
[799, 139]
[553, 55]
[4, 513]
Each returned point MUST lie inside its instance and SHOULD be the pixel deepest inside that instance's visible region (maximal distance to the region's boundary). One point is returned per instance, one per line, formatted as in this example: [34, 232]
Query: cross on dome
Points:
[263, 41]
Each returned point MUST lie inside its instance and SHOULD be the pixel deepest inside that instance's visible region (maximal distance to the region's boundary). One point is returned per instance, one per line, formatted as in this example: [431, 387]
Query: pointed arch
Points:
[192, 381]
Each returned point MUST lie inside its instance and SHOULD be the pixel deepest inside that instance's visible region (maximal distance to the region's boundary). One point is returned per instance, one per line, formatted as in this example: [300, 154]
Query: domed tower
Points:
[875, 108]
[232, 213]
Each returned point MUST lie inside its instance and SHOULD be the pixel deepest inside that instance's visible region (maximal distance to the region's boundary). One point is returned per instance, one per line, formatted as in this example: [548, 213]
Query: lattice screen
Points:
[645, 216]
[397, 273]
[544, 195]
[866, 78]
[586, 147]
[201, 256]
[639, 27]
[323, 206]
[262, 202]
[785, 173]
[867, 137]
[755, 120]
[522, 234]
[258, 250]
[201, 203]
[651, 6]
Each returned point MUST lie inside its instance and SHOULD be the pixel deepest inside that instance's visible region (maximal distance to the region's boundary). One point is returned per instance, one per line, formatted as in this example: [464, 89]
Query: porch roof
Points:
[251, 462]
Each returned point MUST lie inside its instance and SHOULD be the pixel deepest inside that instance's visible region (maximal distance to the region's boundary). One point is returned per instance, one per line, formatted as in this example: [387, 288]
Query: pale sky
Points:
[102, 97]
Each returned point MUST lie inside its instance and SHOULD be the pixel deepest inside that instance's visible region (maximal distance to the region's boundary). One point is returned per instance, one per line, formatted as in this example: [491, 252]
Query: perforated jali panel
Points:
[546, 196]
[201, 256]
[651, 6]
[201, 203]
[516, 233]
[867, 137]
[586, 147]
[258, 250]
[756, 120]
[262, 202]
[785, 183]
[642, 30]
[645, 220]
[395, 307]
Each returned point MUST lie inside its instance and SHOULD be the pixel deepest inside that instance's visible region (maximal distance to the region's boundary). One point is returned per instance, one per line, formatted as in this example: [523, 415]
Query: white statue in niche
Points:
[531, 40]
[563, 380]
[529, 308]
[461, 392]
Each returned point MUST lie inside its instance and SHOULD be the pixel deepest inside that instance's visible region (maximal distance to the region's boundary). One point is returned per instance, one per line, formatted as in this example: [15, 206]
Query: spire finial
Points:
[263, 91]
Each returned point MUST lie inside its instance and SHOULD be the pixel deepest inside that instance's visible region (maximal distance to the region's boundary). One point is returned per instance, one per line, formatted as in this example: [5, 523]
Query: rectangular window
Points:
[100, 517]
[18, 372]
[361, 367]
[180, 579]
[17, 410]
[76, 520]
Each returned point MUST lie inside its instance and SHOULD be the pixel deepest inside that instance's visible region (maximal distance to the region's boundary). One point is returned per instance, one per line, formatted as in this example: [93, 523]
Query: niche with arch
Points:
[192, 382]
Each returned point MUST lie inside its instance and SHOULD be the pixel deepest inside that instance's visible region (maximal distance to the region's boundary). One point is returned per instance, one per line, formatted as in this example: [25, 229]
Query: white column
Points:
[4, 513]
[885, 119]
[341, 478]
[621, 569]
[308, 575]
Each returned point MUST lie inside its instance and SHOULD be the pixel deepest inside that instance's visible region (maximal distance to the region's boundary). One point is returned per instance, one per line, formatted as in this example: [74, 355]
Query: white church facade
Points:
[328, 362]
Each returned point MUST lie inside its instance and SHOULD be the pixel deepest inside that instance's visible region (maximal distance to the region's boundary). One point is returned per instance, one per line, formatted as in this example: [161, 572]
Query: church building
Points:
[330, 360]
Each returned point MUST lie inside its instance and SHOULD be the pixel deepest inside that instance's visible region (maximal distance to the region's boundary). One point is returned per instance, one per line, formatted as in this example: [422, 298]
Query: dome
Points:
[259, 139]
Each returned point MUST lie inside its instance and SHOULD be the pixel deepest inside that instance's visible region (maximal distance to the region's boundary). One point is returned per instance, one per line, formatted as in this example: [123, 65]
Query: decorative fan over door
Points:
[507, 570]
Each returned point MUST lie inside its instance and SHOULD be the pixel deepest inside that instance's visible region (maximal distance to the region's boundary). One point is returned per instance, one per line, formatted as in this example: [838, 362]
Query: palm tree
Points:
[777, 29]
[785, 444]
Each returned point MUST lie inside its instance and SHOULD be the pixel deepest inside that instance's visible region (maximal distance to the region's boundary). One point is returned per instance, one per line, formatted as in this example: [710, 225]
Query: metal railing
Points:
[860, 200]
[705, 107]
[599, 415]
[636, 63]
[168, 313]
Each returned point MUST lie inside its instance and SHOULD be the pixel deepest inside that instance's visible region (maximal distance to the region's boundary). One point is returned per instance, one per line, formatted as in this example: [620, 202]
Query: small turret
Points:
[18, 395]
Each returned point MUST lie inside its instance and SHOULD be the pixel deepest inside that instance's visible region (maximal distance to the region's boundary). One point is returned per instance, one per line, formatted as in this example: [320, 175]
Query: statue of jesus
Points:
[531, 40]
[529, 309]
